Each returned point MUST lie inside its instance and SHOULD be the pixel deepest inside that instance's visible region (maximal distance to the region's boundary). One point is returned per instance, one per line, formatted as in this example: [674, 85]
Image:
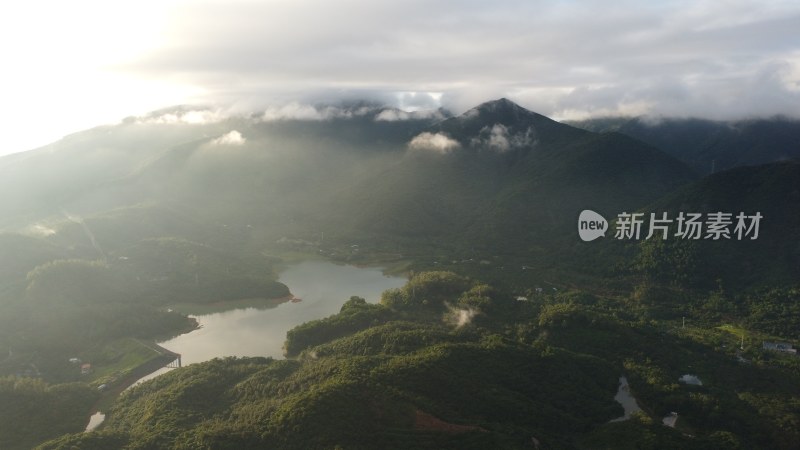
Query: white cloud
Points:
[394, 115]
[298, 111]
[459, 316]
[39, 229]
[232, 138]
[191, 117]
[433, 142]
[464, 316]
[417, 101]
[498, 139]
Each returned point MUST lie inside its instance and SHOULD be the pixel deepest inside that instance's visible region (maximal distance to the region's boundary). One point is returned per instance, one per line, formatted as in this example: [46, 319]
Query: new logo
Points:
[634, 226]
[591, 225]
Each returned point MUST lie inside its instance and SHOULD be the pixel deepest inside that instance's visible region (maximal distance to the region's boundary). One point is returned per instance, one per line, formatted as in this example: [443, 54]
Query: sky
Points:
[69, 66]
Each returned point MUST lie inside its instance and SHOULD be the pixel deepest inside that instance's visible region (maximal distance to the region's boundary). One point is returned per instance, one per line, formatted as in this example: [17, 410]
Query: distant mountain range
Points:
[710, 146]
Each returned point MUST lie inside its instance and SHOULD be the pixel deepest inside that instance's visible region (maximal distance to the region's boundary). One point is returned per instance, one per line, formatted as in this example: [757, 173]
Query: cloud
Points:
[459, 316]
[563, 59]
[433, 142]
[184, 116]
[498, 139]
[299, 111]
[394, 115]
[39, 229]
[416, 101]
[232, 138]
[464, 316]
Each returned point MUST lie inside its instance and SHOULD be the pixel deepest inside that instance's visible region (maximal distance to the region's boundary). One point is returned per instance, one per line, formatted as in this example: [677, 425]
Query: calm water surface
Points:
[625, 399]
[322, 285]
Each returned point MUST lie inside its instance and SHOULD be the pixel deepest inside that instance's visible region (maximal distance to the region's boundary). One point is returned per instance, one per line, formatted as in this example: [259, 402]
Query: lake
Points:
[323, 287]
[625, 399]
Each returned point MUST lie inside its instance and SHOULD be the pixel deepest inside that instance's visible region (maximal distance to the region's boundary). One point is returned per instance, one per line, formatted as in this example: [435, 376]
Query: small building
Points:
[670, 419]
[86, 369]
[74, 361]
[782, 347]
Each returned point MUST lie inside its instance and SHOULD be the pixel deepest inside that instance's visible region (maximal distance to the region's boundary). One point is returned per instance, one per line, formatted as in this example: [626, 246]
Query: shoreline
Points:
[154, 364]
[199, 309]
[164, 357]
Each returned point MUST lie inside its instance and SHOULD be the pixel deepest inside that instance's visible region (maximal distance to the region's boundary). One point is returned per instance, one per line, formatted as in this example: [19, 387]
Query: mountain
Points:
[495, 179]
[516, 126]
[772, 259]
[710, 146]
[510, 181]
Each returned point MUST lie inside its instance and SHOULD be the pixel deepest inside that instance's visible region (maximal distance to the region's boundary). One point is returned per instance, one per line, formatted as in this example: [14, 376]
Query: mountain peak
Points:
[503, 124]
[501, 106]
[501, 111]
[500, 102]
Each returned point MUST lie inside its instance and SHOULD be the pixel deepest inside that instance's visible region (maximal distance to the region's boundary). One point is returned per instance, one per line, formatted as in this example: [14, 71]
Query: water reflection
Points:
[323, 288]
[625, 399]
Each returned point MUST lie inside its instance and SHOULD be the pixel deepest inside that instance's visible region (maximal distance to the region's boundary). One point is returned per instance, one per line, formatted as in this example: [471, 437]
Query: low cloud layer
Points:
[232, 138]
[299, 111]
[189, 116]
[433, 142]
[394, 115]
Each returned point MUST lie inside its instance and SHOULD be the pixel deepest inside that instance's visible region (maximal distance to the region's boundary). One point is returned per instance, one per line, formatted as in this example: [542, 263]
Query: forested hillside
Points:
[412, 372]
